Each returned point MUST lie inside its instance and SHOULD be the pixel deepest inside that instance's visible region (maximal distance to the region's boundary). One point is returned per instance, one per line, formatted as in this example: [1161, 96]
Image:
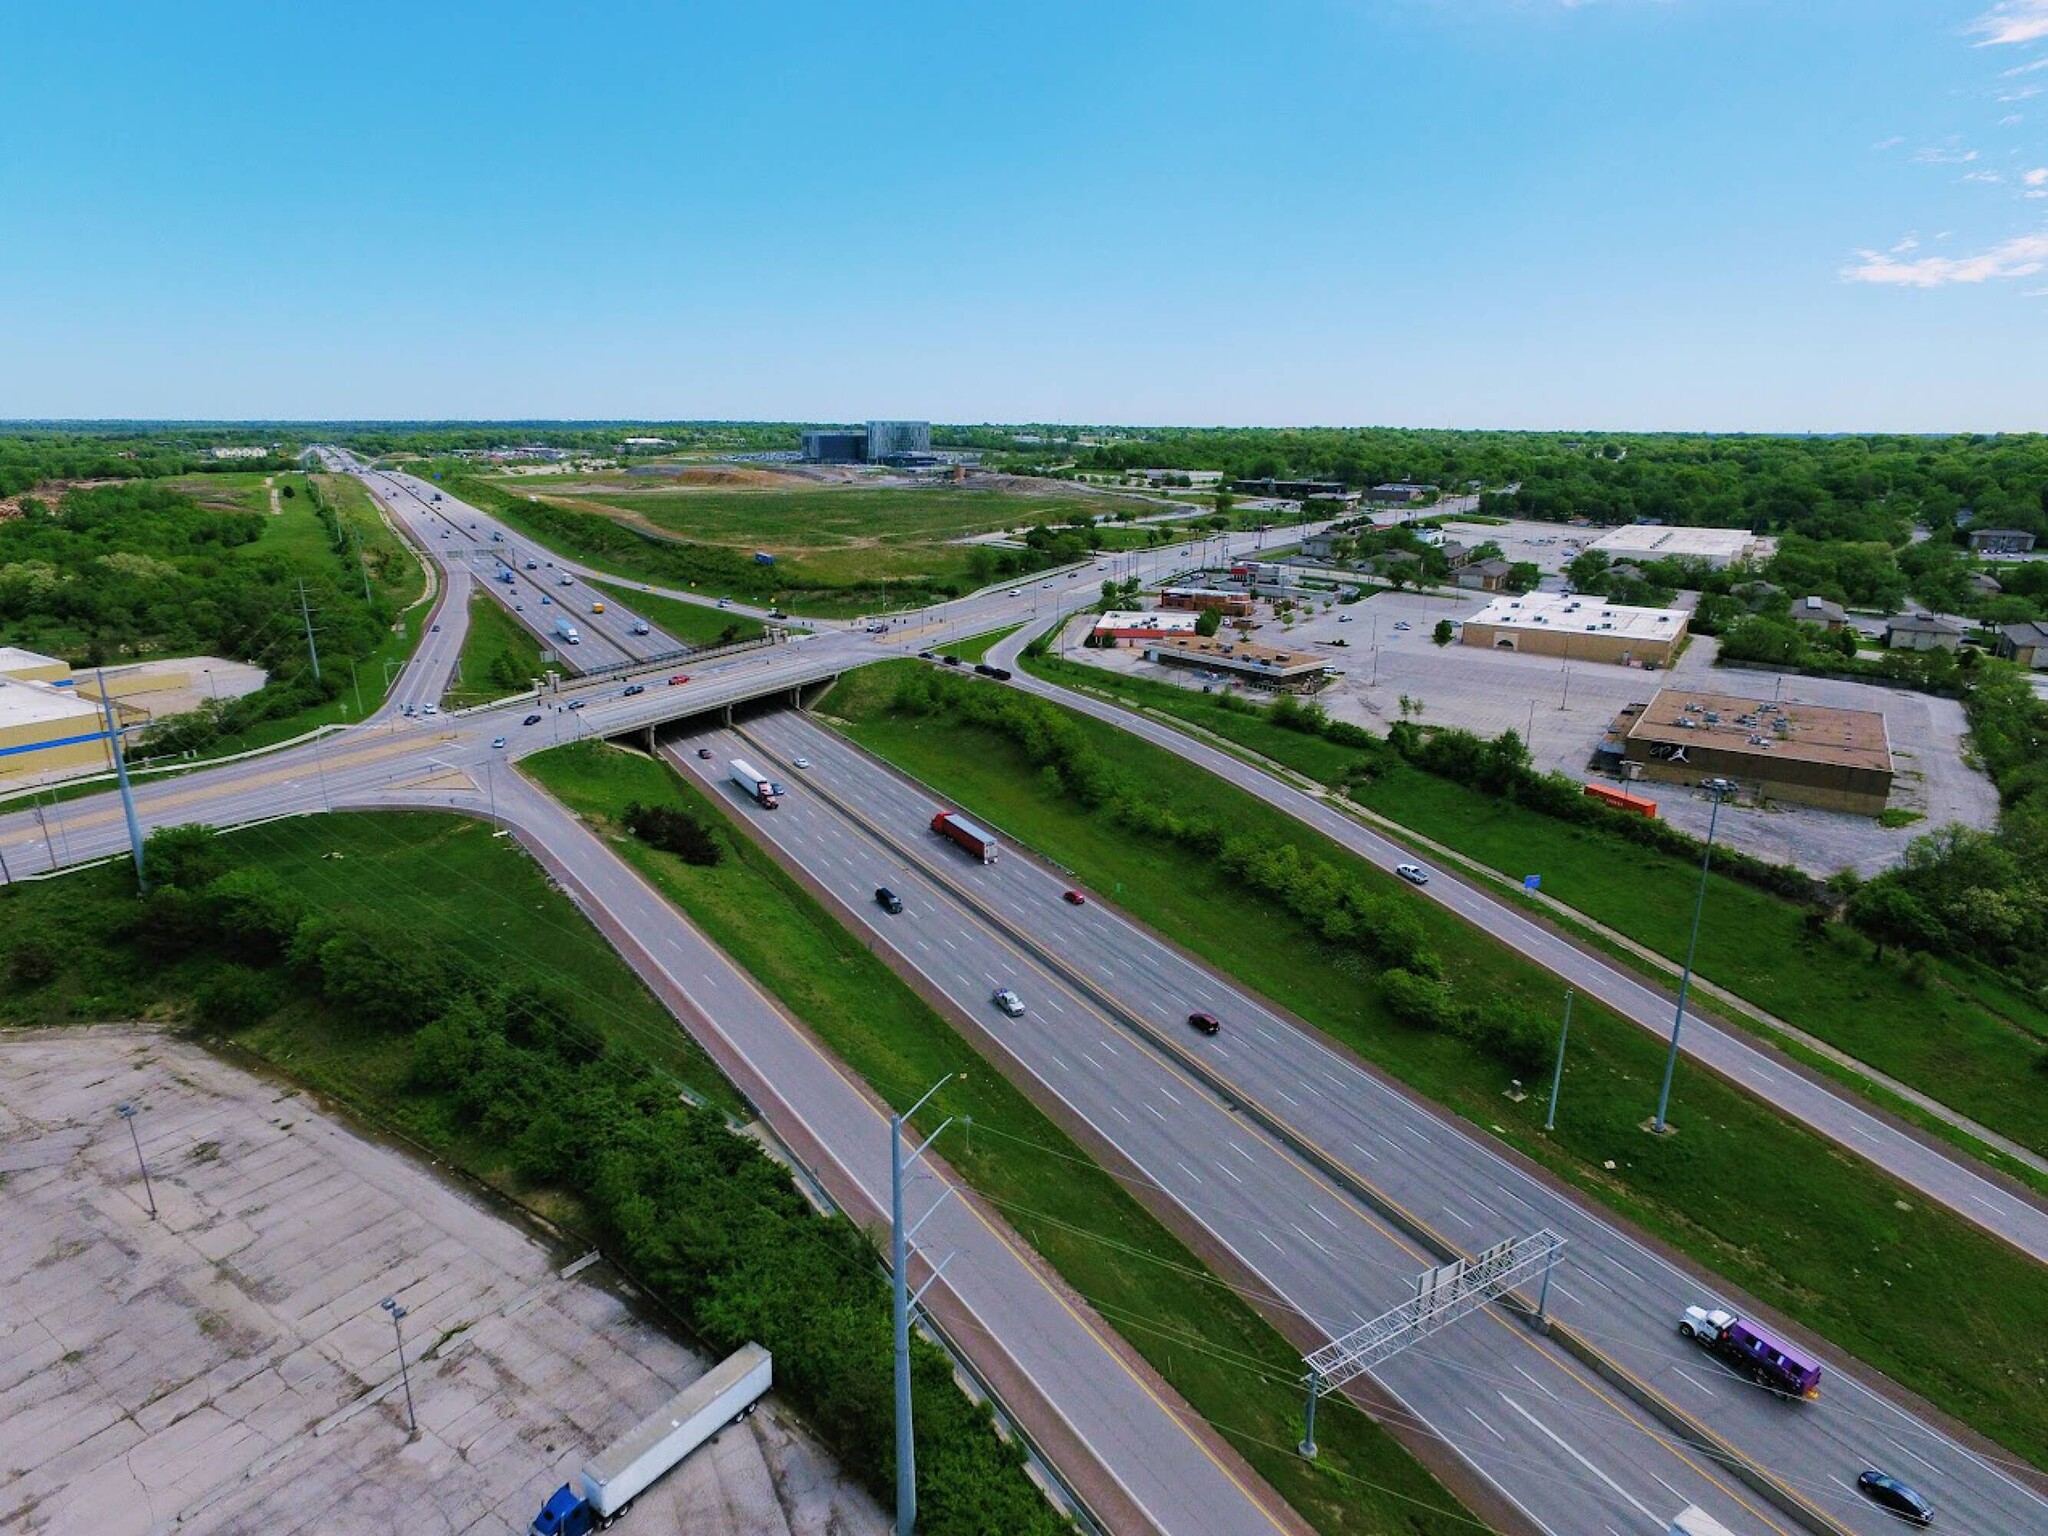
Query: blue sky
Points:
[1720, 214]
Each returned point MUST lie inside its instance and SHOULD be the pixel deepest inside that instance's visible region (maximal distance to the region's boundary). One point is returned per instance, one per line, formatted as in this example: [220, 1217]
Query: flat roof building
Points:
[1236, 605]
[46, 729]
[1263, 666]
[1398, 493]
[1716, 546]
[1127, 626]
[835, 447]
[1805, 754]
[1582, 628]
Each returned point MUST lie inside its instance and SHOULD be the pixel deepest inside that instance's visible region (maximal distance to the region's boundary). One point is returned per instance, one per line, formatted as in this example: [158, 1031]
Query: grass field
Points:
[976, 648]
[691, 623]
[446, 877]
[1791, 1218]
[1230, 1365]
[840, 551]
[499, 655]
[1960, 1036]
[227, 492]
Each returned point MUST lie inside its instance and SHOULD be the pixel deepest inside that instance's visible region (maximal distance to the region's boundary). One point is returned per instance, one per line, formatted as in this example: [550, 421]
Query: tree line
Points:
[696, 1212]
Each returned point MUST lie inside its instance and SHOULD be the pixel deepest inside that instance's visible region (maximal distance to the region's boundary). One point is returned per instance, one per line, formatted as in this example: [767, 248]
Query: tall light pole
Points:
[899, 1250]
[1718, 789]
[397, 1312]
[127, 1112]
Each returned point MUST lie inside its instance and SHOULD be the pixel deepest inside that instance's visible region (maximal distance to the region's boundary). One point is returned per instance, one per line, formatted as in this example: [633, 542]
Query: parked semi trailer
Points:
[759, 786]
[964, 832]
[630, 1465]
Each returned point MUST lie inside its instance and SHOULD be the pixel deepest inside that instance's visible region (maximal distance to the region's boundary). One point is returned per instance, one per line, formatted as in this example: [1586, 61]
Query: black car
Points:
[1895, 1498]
[633, 688]
[1207, 1023]
[531, 720]
[984, 669]
[951, 661]
[888, 900]
[705, 753]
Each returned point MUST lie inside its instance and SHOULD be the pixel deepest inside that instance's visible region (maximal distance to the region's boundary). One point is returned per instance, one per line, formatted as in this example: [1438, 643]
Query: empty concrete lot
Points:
[226, 1366]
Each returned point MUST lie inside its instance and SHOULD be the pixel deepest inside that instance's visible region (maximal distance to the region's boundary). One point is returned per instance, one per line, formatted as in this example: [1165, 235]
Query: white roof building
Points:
[1716, 546]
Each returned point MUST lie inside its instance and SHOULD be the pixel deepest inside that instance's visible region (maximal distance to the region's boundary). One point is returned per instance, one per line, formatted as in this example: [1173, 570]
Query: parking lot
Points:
[1562, 709]
[227, 1366]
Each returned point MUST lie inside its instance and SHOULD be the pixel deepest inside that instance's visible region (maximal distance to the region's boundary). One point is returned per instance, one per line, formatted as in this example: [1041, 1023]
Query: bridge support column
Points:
[727, 715]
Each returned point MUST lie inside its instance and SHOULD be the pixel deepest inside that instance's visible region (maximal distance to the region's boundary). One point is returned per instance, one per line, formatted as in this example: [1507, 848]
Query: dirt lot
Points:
[227, 1367]
[1561, 711]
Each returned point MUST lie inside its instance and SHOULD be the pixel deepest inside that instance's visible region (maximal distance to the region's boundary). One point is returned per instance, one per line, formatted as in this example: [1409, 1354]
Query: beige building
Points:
[1717, 546]
[1263, 666]
[1806, 754]
[1580, 628]
[46, 726]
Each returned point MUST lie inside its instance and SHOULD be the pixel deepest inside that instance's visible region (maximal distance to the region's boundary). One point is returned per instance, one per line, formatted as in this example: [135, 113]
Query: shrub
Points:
[675, 831]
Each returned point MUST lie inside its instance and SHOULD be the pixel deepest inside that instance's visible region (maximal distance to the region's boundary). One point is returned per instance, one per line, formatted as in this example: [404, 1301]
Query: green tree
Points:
[1208, 621]
[1444, 632]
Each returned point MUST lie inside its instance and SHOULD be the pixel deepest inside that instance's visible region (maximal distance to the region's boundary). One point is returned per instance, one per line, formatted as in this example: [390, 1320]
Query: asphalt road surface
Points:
[1950, 1179]
[449, 761]
[1326, 1254]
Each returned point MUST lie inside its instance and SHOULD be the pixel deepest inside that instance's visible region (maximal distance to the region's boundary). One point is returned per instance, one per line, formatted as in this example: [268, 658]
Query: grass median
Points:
[1963, 1037]
[1793, 1219]
[500, 656]
[694, 624]
[1216, 1351]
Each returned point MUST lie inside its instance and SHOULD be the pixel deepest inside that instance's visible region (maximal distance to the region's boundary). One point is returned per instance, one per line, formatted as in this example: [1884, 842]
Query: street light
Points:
[397, 1314]
[899, 1250]
[1718, 790]
[127, 1112]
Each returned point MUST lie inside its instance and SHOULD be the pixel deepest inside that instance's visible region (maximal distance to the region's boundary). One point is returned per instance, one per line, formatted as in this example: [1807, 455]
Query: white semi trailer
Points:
[630, 1465]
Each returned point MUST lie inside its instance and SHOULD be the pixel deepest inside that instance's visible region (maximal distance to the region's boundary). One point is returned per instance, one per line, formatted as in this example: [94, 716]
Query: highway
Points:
[448, 760]
[1136, 1073]
[1949, 1178]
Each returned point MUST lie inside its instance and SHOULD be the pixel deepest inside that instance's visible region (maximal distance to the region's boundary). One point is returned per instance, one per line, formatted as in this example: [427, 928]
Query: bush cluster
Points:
[1382, 931]
[697, 1212]
[675, 831]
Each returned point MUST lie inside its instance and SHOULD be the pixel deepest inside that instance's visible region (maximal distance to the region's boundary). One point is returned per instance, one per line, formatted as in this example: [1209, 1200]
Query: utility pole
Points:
[899, 1251]
[397, 1312]
[127, 1112]
[307, 614]
[1557, 1076]
[1718, 789]
[362, 564]
[121, 776]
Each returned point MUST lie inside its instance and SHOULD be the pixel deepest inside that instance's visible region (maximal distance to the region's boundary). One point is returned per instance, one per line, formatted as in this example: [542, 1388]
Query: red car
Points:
[1074, 899]
[680, 677]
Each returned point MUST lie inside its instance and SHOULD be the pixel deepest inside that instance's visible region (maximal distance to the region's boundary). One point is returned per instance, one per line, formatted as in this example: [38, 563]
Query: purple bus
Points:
[1777, 1364]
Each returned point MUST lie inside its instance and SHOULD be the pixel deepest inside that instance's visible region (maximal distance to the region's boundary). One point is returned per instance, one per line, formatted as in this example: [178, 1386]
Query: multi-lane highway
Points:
[1936, 1172]
[1106, 1031]
[1573, 1437]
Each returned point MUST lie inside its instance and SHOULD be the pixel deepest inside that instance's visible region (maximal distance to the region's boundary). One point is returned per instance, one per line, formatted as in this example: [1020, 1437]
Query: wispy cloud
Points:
[2023, 69]
[2037, 177]
[2021, 256]
[2011, 21]
[1891, 143]
[1950, 153]
[1989, 177]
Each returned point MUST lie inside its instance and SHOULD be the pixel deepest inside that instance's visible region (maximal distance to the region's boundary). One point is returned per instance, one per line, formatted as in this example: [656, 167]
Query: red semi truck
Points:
[964, 832]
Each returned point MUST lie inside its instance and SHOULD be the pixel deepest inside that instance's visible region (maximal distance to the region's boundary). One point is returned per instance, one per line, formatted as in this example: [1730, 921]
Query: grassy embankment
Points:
[500, 656]
[1230, 1365]
[976, 648]
[1953, 1032]
[840, 552]
[445, 877]
[427, 973]
[691, 623]
[1797, 1222]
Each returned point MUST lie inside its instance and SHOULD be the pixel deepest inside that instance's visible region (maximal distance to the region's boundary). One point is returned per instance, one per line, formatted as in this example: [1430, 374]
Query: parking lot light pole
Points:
[127, 1112]
[1718, 790]
[397, 1312]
